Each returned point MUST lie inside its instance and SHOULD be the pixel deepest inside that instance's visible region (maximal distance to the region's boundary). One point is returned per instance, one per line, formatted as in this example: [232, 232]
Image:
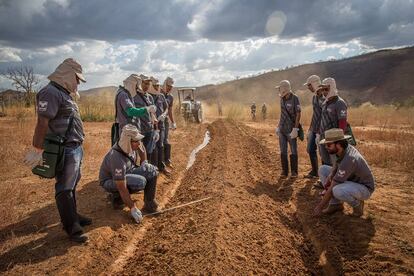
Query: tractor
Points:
[190, 109]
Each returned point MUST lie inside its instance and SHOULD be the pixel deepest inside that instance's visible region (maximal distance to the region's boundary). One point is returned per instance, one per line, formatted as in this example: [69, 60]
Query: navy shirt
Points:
[56, 104]
[116, 165]
[333, 110]
[317, 103]
[289, 108]
[143, 100]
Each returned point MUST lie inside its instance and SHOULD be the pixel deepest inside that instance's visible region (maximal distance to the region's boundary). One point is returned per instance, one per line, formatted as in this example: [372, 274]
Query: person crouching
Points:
[120, 176]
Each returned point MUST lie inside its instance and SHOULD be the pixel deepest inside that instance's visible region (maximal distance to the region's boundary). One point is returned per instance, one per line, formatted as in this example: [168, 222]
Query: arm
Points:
[342, 124]
[142, 153]
[123, 191]
[170, 114]
[40, 132]
[136, 112]
[325, 200]
[297, 120]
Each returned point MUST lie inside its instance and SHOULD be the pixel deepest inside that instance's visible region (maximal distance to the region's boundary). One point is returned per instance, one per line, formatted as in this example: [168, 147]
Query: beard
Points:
[332, 151]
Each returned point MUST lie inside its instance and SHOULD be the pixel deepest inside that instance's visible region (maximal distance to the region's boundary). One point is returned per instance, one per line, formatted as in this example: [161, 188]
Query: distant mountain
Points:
[379, 77]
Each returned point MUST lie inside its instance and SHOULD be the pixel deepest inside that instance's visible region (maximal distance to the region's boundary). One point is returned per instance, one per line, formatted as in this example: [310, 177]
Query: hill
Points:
[380, 77]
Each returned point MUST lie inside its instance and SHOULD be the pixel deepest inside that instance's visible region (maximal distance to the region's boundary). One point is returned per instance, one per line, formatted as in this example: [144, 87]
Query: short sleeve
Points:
[48, 102]
[341, 110]
[125, 102]
[118, 167]
[345, 169]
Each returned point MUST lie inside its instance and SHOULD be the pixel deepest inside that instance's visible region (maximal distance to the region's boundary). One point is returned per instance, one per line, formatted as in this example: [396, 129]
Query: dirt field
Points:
[254, 222]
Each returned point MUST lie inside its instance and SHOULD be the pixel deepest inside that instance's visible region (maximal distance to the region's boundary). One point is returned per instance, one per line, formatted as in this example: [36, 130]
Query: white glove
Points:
[136, 214]
[33, 158]
[174, 126]
[317, 138]
[162, 117]
[294, 133]
[156, 136]
[151, 109]
[277, 131]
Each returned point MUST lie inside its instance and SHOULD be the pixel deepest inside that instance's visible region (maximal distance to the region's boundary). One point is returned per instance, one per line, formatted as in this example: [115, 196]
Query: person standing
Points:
[147, 121]
[161, 114]
[125, 110]
[288, 128]
[312, 83]
[166, 89]
[264, 111]
[334, 114]
[58, 114]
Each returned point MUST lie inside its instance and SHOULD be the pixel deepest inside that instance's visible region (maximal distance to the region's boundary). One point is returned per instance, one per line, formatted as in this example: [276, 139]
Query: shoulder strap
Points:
[290, 117]
[143, 98]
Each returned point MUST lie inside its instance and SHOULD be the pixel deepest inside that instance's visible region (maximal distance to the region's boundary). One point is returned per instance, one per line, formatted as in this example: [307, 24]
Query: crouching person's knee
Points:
[324, 170]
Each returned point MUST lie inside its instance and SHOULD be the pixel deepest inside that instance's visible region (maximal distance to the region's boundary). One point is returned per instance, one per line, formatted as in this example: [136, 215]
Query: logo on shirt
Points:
[118, 172]
[343, 112]
[42, 106]
[341, 173]
[289, 104]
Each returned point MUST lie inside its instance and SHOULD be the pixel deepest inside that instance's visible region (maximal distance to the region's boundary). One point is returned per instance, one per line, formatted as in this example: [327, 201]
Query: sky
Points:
[194, 41]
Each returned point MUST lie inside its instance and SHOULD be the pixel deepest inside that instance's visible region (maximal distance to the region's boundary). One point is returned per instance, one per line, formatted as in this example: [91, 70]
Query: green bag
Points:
[348, 131]
[53, 154]
[53, 157]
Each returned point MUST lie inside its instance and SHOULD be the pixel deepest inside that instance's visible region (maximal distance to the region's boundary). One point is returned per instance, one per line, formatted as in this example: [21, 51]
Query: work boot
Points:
[333, 208]
[358, 211]
[314, 163]
[167, 155]
[69, 218]
[285, 165]
[150, 204]
[83, 220]
[116, 201]
[294, 165]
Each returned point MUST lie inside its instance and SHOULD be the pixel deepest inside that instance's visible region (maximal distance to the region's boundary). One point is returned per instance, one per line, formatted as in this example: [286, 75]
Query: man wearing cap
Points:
[125, 109]
[169, 122]
[288, 128]
[334, 114]
[146, 122]
[161, 114]
[350, 180]
[58, 113]
[120, 176]
[312, 83]
[264, 111]
[253, 111]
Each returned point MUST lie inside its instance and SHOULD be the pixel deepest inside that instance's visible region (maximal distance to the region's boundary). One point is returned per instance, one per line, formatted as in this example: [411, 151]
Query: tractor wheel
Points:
[199, 116]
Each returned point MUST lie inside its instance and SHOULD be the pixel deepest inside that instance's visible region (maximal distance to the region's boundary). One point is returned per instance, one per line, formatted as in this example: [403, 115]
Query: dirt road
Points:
[254, 222]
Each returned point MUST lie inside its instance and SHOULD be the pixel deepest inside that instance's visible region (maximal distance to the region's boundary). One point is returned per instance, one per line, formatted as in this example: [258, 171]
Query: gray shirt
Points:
[289, 108]
[353, 167]
[56, 104]
[162, 105]
[142, 100]
[116, 165]
[317, 103]
[333, 110]
[123, 102]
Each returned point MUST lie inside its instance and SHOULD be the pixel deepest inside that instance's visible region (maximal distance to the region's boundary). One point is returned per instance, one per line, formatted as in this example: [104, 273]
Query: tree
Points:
[23, 79]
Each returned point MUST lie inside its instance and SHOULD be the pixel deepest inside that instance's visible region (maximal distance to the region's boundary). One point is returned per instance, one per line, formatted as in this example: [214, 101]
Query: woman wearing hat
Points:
[288, 128]
[349, 180]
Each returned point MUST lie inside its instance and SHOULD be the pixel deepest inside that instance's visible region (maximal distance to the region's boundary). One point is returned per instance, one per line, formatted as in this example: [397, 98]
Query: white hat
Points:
[331, 85]
[152, 89]
[313, 80]
[284, 88]
[131, 83]
[129, 133]
[144, 77]
[168, 81]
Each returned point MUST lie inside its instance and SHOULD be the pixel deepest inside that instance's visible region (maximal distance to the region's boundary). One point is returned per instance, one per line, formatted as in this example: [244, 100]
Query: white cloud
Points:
[9, 55]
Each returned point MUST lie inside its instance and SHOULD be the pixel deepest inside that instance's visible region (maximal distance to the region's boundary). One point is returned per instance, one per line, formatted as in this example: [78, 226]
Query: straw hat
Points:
[334, 135]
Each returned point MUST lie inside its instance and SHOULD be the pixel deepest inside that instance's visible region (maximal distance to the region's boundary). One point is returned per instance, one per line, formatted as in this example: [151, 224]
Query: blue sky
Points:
[196, 42]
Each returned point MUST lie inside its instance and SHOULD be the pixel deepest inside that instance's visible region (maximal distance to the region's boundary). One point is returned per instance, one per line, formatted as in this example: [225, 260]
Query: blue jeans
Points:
[147, 141]
[167, 132]
[68, 178]
[136, 179]
[284, 139]
[350, 192]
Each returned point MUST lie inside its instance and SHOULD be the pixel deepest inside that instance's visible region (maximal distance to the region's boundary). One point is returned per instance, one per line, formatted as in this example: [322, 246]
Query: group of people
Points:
[344, 175]
[141, 150]
[253, 111]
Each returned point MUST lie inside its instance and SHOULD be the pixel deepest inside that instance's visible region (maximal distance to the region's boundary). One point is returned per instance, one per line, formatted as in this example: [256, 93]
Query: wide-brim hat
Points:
[334, 135]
